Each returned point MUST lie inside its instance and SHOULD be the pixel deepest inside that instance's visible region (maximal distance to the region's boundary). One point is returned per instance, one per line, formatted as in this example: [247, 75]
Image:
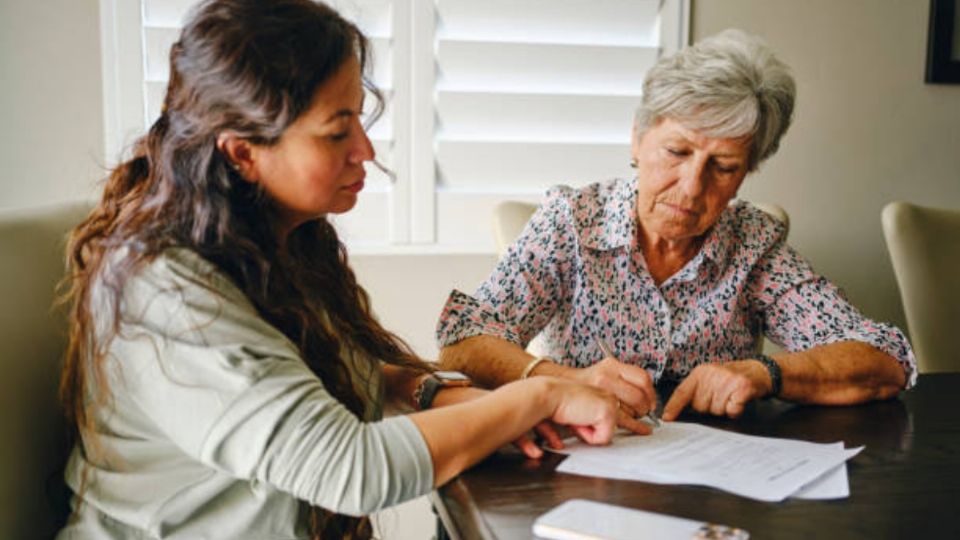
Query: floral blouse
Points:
[577, 275]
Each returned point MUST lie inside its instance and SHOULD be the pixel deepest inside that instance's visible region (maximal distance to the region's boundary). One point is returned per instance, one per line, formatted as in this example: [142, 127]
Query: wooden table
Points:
[905, 484]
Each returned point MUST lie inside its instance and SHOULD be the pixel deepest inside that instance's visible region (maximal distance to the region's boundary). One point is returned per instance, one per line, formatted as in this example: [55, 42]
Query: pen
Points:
[607, 351]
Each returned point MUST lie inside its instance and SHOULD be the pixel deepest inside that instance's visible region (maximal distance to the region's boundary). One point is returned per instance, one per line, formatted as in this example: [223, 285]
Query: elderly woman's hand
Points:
[632, 385]
[719, 389]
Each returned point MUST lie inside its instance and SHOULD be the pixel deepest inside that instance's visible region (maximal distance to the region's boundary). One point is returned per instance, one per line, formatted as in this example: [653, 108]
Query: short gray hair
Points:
[727, 85]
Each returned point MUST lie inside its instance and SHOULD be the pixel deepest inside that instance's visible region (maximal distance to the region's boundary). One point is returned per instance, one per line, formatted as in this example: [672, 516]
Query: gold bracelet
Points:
[533, 364]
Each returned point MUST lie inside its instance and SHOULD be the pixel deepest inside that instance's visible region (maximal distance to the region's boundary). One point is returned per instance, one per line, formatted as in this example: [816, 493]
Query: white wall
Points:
[51, 116]
[408, 291]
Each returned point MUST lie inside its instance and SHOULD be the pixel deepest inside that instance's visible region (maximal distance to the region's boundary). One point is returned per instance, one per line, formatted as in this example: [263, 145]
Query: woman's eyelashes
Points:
[722, 168]
[727, 169]
[346, 126]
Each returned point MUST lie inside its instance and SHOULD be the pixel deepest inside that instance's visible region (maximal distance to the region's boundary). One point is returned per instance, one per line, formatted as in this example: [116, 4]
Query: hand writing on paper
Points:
[719, 389]
[631, 384]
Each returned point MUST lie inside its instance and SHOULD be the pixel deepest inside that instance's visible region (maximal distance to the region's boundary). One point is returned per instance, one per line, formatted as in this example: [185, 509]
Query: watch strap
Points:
[773, 368]
[429, 385]
[426, 391]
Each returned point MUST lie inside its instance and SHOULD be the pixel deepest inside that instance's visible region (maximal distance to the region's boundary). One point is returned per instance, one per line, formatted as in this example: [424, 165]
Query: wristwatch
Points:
[773, 368]
[432, 383]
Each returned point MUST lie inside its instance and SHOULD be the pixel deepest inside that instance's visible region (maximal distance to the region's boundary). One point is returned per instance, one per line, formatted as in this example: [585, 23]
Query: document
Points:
[762, 468]
[832, 485]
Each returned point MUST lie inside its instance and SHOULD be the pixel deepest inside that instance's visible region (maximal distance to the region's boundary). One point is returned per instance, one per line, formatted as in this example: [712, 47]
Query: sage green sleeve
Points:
[232, 391]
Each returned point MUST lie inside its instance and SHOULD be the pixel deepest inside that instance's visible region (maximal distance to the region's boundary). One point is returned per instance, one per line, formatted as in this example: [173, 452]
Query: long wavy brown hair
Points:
[250, 67]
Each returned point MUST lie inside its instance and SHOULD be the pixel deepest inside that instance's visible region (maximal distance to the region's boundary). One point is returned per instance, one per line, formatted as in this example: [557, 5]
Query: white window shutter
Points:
[674, 23]
[532, 94]
[487, 101]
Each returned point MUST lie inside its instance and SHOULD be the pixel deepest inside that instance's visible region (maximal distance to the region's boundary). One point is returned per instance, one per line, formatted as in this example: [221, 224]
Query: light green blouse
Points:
[215, 427]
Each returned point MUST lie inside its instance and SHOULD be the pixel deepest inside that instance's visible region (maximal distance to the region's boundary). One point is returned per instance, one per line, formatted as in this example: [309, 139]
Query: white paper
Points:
[762, 468]
[833, 484]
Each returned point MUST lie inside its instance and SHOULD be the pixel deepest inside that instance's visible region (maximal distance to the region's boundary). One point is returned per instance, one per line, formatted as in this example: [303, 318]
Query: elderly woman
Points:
[680, 282]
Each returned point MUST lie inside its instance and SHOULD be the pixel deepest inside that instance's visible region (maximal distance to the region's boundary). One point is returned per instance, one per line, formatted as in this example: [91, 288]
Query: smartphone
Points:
[580, 519]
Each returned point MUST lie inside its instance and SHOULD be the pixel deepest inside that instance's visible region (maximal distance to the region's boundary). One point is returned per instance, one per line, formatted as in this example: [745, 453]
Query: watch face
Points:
[452, 378]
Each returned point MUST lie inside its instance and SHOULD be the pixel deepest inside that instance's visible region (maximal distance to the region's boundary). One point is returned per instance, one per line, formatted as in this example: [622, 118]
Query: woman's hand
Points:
[476, 423]
[719, 389]
[632, 385]
[591, 412]
[525, 443]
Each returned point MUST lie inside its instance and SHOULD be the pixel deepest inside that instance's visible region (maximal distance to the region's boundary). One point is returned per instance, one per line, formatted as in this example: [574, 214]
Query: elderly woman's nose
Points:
[693, 177]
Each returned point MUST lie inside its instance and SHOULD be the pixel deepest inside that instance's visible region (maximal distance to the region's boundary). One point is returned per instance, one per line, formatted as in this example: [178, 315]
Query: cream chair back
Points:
[509, 218]
[34, 447]
[924, 245]
[778, 213]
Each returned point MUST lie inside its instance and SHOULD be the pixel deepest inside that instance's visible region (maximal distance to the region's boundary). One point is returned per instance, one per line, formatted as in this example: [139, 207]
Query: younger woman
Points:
[225, 373]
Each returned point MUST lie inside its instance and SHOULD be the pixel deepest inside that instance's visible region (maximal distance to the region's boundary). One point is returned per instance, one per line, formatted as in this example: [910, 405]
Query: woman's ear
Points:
[239, 155]
[634, 146]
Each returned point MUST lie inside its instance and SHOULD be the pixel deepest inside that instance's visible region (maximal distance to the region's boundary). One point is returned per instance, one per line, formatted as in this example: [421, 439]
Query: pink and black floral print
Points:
[576, 273]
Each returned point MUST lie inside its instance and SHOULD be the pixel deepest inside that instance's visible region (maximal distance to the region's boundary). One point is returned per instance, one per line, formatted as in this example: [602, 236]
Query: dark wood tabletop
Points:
[905, 484]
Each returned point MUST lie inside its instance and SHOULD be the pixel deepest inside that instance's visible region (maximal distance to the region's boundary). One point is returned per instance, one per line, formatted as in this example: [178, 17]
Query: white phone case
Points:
[579, 519]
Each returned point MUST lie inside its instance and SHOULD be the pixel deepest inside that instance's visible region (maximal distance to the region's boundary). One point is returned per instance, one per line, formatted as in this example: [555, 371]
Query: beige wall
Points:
[867, 129]
[51, 135]
[409, 291]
